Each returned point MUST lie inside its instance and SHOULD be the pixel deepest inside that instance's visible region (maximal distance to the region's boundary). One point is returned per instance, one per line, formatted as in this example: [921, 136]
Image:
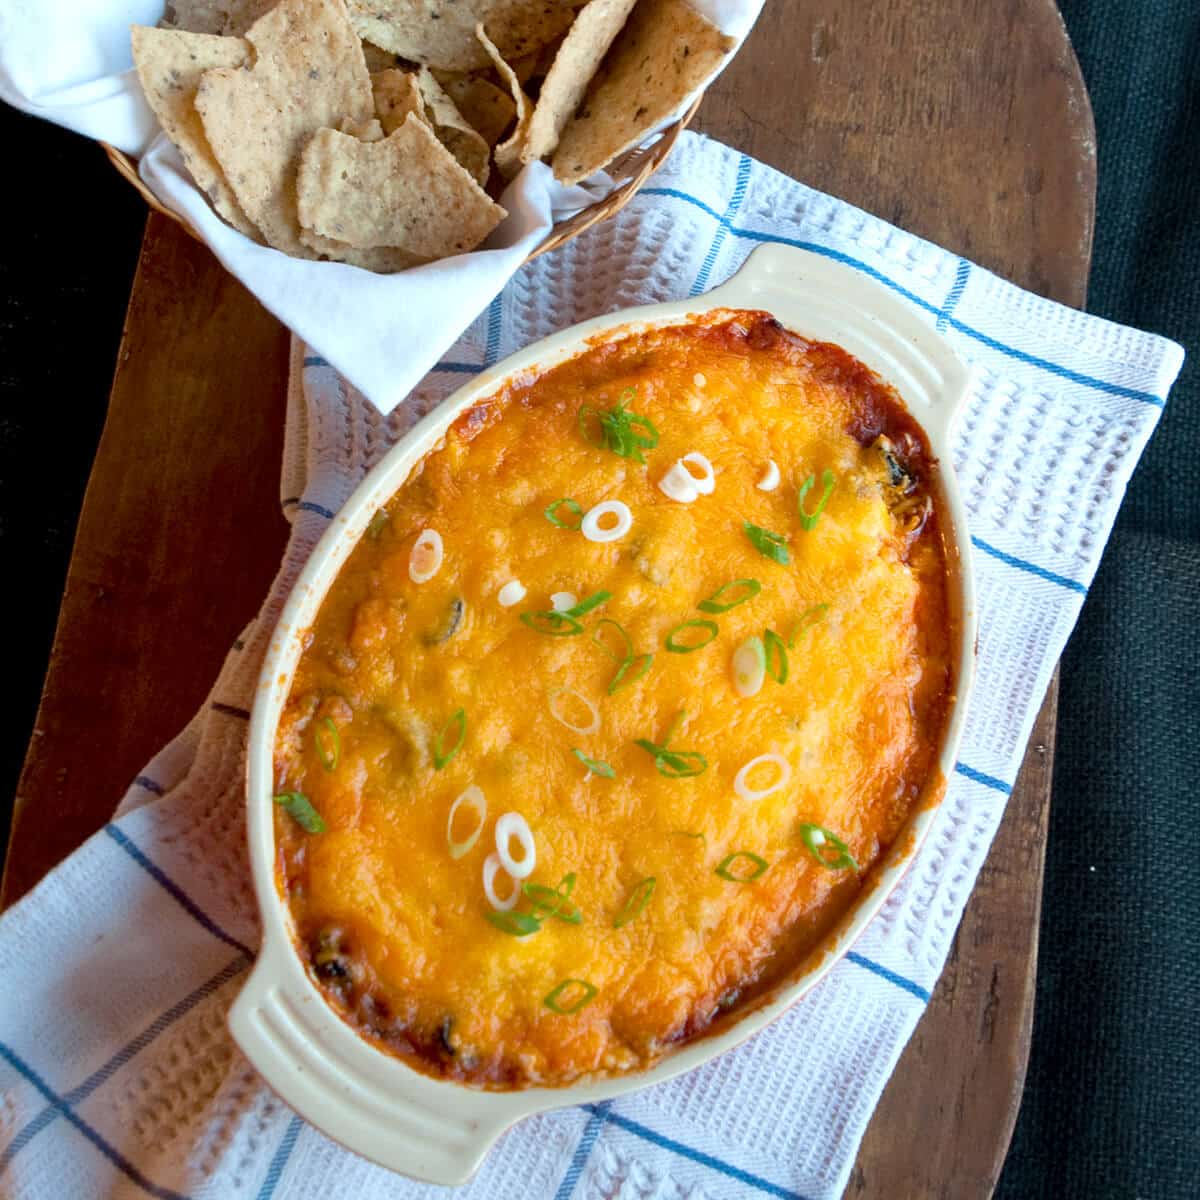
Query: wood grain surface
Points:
[965, 121]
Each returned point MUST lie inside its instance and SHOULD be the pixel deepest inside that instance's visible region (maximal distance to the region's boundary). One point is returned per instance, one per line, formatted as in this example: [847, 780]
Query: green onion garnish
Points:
[749, 666]
[677, 647]
[809, 520]
[331, 754]
[758, 867]
[769, 545]
[378, 523]
[587, 604]
[806, 620]
[626, 640]
[630, 671]
[730, 595]
[674, 764]
[638, 899]
[775, 652]
[515, 923]
[820, 840]
[618, 429]
[554, 1000]
[689, 834]
[555, 902]
[574, 506]
[552, 624]
[456, 727]
[595, 765]
[299, 807]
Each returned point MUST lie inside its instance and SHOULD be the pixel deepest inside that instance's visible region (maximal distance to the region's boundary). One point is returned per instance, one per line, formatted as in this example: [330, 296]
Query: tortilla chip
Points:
[214, 16]
[441, 33]
[170, 64]
[575, 65]
[365, 131]
[508, 152]
[484, 106]
[467, 146]
[665, 52]
[406, 191]
[384, 260]
[378, 59]
[396, 95]
[309, 74]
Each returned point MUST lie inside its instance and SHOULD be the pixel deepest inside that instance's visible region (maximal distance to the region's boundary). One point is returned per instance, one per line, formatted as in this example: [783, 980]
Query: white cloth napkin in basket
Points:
[118, 1076]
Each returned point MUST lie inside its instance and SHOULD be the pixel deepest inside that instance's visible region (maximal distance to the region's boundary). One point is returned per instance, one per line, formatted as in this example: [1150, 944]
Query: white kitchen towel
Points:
[69, 61]
[118, 1076]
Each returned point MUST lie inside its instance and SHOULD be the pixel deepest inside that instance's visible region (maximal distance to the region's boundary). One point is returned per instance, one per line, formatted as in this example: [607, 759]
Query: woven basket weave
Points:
[631, 169]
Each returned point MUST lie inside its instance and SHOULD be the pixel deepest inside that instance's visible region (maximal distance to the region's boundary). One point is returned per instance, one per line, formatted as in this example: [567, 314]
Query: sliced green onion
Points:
[775, 652]
[676, 647]
[586, 605]
[554, 1000]
[555, 902]
[638, 899]
[574, 506]
[688, 834]
[820, 841]
[626, 640]
[805, 621]
[726, 870]
[595, 765]
[562, 718]
[473, 798]
[730, 595]
[630, 671]
[618, 429]
[515, 923]
[769, 545]
[331, 754]
[443, 754]
[749, 667]
[674, 764]
[809, 520]
[378, 523]
[299, 807]
[552, 624]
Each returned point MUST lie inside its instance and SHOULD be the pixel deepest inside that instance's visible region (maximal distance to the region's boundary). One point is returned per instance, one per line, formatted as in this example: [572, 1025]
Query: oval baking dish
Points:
[435, 1128]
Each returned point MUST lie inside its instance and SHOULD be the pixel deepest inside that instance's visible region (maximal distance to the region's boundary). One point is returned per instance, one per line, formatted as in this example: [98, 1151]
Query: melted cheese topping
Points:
[396, 929]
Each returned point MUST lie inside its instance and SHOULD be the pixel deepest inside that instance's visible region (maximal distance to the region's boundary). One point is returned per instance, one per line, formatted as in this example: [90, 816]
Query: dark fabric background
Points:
[1112, 1105]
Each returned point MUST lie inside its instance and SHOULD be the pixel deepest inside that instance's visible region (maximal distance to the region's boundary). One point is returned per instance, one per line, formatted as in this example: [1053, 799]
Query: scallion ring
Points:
[749, 667]
[593, 724]
[492, 866]
[687, 833]
[727, 870]
[675, 646]
[674, 764]
[554, 902]
[595, 528]
[819, 840]
[562, 601]
[585, 606]
[595, 766]
[741, 781]
[636, 904]
[775, 653]
[512, 826]
[425, 558]
[473, 799]
[809, 520]
[805, 621]
[455, 727]
[378, 523]
[552, 624]
[328, 751]
[770, 479]
[569, 1007]
[706, 481]
[626, 641]
[517, 924]
[769, 545]
[300, 808]
[730, 595]
[551, 513]
[679, 484]
[513, 592]
[630, 671]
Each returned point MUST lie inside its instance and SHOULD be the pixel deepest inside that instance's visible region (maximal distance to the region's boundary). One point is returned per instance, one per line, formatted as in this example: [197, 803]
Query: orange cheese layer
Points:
[396, 930]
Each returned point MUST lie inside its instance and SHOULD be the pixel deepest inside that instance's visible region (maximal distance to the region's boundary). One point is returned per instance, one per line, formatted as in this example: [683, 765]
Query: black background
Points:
[1111, 1105]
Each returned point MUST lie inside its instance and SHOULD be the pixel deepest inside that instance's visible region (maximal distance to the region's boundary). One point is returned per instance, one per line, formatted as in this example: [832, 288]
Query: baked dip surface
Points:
[614, 705]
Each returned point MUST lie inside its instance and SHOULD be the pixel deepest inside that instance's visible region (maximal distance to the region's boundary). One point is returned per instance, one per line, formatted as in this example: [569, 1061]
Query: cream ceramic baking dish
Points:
[438, 1130]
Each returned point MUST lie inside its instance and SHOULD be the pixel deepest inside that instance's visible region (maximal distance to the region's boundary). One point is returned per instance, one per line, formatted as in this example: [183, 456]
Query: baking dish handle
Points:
[379, 1108]
[826, 299]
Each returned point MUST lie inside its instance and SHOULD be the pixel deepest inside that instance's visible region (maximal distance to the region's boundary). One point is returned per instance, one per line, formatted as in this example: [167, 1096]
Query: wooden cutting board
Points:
[965, 121]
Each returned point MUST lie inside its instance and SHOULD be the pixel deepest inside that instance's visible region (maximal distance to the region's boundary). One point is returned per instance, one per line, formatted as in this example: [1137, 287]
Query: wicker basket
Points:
[632, 169]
